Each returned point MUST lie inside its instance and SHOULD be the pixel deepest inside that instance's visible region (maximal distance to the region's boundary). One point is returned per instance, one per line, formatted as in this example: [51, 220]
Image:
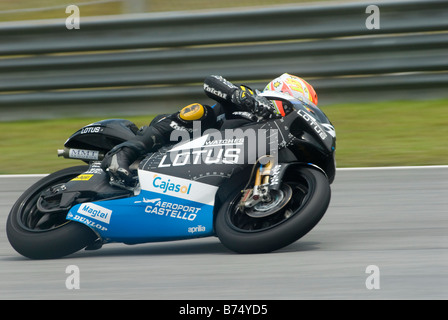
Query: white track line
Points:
[338, 169]
[393, 168]
[23, 175]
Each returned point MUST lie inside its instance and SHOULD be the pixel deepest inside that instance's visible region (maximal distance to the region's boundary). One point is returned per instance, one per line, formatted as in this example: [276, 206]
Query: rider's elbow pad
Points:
[219, 89]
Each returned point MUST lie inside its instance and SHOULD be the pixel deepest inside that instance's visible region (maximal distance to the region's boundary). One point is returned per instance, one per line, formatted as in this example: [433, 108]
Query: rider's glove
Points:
[264, 108]
[245, 98]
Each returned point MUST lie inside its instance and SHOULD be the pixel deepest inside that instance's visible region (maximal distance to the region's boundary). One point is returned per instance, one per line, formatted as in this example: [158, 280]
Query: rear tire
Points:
[242, 233]
[39, 235]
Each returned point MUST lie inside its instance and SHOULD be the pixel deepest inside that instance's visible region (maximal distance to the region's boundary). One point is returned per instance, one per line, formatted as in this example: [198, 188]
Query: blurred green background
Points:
[51, 9]
[389, 133]
[395, 133]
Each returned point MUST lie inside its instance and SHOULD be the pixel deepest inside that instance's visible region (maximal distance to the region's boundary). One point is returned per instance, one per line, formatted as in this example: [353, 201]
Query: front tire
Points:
[244, 233]
[38, 235]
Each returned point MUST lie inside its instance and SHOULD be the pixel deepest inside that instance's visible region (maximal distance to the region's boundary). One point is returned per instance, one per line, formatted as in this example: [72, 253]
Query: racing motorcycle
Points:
[258, 188]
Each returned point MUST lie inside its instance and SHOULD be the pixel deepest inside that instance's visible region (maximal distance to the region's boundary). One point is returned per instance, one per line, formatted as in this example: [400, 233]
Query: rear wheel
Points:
[44, 234]
[292, 212]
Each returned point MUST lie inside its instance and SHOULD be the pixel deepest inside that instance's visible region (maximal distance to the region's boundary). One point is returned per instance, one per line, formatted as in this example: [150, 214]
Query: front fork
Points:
[261, 189]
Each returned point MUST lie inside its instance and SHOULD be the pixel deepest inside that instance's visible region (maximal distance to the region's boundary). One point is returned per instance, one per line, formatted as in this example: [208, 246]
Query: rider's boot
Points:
[118, 160]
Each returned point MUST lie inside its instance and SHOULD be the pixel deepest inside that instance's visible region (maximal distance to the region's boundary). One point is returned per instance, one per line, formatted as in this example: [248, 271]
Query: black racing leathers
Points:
[232, 102]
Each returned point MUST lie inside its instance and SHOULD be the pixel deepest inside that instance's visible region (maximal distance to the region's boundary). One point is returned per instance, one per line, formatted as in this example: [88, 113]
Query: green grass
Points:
[31, 146]
[55, 9]
[395, 133]
[370, 134]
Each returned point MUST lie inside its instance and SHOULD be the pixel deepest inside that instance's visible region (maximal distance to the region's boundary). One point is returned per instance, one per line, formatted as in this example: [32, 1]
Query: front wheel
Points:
[248, 232]
[38, 234]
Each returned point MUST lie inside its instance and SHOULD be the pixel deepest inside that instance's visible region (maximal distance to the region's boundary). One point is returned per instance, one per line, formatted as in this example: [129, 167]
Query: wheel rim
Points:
[33, 219]
[302, 188]
[279, 199]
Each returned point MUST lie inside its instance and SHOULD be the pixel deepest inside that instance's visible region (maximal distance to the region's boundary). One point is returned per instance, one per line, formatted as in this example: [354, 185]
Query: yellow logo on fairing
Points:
[83, 177]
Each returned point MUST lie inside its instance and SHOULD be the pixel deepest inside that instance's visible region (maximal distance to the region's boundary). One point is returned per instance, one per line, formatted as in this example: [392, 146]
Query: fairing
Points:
[180, 184]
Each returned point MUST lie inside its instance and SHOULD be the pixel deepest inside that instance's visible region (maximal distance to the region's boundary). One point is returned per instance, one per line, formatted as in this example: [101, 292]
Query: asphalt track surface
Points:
[395, 219]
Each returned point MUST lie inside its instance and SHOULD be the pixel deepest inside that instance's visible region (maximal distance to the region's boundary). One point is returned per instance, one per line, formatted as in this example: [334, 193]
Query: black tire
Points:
[55, 237]
[244, 234]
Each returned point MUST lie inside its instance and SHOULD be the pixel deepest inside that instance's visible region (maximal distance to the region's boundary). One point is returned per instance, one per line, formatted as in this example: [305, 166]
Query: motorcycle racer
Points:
[236, 105]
